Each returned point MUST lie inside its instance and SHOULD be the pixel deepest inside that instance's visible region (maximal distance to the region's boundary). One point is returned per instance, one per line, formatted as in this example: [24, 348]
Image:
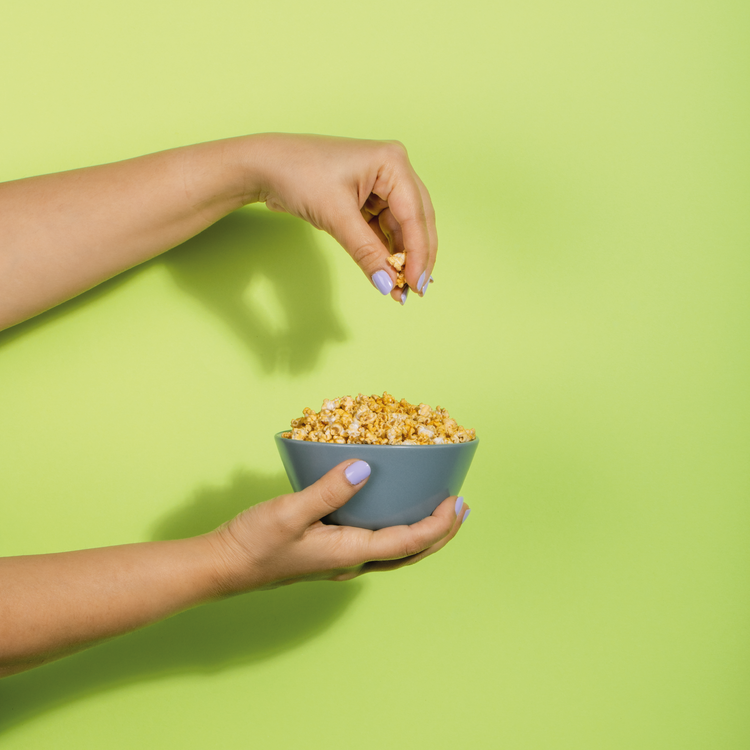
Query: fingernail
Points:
[404, 295]
[357, 472]
[420, 283]
[459, 505]
[466, 515]
[382, 281]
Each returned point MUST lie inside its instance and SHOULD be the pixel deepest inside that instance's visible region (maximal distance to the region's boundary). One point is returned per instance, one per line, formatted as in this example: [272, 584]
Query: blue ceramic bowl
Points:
[407, 482]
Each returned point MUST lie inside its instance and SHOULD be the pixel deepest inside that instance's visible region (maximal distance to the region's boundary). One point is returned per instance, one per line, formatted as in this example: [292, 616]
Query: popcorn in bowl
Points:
[378, 420]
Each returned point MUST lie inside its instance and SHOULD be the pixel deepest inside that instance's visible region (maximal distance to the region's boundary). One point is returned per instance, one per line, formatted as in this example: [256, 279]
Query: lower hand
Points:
[283, 541]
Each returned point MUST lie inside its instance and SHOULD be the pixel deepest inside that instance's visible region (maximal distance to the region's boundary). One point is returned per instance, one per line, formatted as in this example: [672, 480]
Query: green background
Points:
[590, 167]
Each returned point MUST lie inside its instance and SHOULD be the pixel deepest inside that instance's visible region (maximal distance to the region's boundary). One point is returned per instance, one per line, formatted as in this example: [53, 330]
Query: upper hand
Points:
[364, 193]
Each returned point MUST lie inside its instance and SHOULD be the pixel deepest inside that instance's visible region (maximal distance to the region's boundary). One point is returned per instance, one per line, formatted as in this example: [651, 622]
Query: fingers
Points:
[386, 565]
[390, 229]
[368, 250]
[398, 542]
[373, 206]
[411, 206]
[405, 221]
[329, 493]
[431, 231]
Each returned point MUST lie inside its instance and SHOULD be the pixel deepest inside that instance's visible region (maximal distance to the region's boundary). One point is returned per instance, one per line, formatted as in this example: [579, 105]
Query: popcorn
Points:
[398, 260]
[378, 420]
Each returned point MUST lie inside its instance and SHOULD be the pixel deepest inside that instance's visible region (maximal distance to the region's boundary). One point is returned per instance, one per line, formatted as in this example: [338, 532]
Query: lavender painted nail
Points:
[382, 281]
[357, 472]
[404, 295]
[466, 515]
[420, 283]
[459, 505]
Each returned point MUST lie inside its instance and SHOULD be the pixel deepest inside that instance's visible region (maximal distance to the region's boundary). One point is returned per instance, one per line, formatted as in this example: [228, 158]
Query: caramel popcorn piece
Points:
[378, 420]
[398, 260]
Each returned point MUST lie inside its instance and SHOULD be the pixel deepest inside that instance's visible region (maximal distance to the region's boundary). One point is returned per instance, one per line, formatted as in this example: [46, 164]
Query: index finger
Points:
[410, 204]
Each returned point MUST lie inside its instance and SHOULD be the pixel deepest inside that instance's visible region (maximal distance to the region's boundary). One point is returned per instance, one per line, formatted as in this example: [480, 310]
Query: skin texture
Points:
[61, 234]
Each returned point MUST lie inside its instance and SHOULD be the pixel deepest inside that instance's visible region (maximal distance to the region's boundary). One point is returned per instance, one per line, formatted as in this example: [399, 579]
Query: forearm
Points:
[51, 605]
[61, 234]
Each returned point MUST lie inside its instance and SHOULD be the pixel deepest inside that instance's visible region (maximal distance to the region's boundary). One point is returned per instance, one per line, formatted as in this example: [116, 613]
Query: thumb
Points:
[332, 490]
[368, 251]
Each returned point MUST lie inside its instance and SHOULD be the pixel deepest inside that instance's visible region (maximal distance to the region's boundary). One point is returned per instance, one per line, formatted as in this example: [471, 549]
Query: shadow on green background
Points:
[38, 322]
[235, 632]
[278, 301]
[210, 507]
[238, 268]
[262, 274]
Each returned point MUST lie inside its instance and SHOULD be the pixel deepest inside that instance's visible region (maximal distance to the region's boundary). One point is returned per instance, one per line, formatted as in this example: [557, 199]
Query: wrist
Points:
[230, 570]
[250, 155]
[222, 176]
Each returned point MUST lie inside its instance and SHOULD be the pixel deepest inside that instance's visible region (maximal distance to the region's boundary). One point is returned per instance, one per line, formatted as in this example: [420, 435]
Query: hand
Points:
[364, 193]
[283, 541]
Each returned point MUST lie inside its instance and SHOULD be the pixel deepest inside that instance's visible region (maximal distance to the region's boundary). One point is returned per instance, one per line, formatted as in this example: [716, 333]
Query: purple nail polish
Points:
[459, 505]
[466, 515]
[382, 281]
[404, 295]
[357, 472]
[426, 286]
[420, 283]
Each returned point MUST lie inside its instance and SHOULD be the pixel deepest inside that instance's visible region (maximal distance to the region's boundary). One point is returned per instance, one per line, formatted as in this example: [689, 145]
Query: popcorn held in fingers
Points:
[398, 260]
[378, 420]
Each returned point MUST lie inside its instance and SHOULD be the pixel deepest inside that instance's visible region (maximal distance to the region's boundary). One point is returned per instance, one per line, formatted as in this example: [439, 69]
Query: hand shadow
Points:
[264, 276]
[211, 638]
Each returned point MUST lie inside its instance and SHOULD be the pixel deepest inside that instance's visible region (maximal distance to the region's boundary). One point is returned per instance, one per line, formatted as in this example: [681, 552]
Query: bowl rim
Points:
[342, 446]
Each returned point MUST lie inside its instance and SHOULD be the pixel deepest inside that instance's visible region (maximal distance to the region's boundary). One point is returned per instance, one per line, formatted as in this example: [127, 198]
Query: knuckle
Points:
[410, 546]
[397, 150]
[285, 517]
[416, 217]
[328, 496]
[366, 255]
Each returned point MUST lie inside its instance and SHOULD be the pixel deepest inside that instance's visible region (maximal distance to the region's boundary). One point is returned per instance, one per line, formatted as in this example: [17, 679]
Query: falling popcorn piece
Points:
[378, 420]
